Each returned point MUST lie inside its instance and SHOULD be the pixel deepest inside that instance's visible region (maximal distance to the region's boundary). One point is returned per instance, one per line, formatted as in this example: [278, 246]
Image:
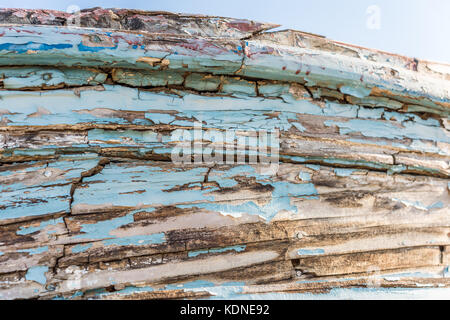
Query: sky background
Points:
[416, 28]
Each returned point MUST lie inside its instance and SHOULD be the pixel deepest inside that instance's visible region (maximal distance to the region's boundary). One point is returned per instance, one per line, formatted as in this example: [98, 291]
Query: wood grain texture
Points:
[92, 207]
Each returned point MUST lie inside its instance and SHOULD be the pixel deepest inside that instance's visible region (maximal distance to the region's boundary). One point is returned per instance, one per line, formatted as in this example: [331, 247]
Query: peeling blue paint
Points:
[343, 172]
[310, 252]
[24, 47]
[37, 273]
[304, 176]
[82, 47]
[152, 183]
[28, 230]
[359, 92]
[314, 167]
[384, 129]
[190, 285]
[227, 290]
[156, 238]
[33, 251]
[354, 293]
[340, 110]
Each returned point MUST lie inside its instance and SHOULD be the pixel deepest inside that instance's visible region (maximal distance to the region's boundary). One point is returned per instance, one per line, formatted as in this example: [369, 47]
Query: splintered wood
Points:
[92, 205]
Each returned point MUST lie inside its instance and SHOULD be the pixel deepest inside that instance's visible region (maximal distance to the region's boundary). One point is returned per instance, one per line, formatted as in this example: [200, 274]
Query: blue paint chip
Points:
[33, 251]
[82, 47]
[310, 252]
[81, 247]
[343, 172]
[24, 47]
[37, 274]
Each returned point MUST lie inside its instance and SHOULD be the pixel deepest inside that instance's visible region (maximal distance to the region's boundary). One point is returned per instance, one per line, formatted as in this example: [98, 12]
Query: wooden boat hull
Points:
[93, 205]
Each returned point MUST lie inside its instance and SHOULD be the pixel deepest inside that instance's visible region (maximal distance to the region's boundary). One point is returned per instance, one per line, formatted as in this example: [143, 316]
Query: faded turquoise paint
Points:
[298, 126]
[411, 275]
[239, 87]
[94, 47]
[420, 205]
[409, 117]
[75, 295]
[47, 195]
[56, 200]
[126, 291]
[137, 240]
[226, 290]
[232, 104]
[310, 252]
[383, 129]
[340, 110]
[190, 285]
[343, 172]
[389, 168]
[4, 173]
[396, 169]
[52, 173]
[34, 152]
[72, 109]
[81, 247]
[237, 248]
[24, 47]
[120, 49]
[29, 230]
[152, 187]
[131, 290]
[37, 273]
[282, 191]
[416, 145]
[197, 252]
[340, 162]
[66, 107]
[103, 137]
[102, 230]
[225, 179]
[159, 118]
[33, 251]
[278, 63]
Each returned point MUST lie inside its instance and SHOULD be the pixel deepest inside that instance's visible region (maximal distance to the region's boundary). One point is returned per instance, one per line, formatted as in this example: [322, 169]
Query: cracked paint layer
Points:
[92, 207]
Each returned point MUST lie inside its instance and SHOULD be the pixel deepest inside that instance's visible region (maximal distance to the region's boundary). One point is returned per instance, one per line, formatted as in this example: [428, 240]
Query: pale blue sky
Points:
[416, 28]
